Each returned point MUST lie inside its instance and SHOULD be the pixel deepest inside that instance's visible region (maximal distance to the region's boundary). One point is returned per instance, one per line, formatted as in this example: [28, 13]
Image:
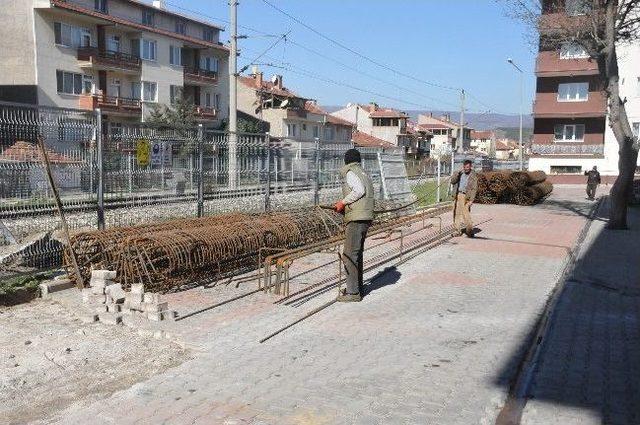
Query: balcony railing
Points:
[562, 149]
[206, 112]
[109, 58]
[111, 103]
[200, 75]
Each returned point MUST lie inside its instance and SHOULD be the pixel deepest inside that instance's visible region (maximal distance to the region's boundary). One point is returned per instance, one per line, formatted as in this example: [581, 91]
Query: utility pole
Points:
[520, 147]
[460, 141]
[233, 97]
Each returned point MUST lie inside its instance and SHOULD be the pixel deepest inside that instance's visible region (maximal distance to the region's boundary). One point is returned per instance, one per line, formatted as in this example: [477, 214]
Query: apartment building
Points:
[483, 142]
[571, 129]
[287, 114]
[122, 56]
[445, 133]
[386, 124]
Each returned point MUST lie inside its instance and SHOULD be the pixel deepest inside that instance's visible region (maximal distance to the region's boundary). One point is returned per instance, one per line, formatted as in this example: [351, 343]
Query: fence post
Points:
[316, 185]
[100, 155]
[439, 174]
[200, 209]
[267, 193]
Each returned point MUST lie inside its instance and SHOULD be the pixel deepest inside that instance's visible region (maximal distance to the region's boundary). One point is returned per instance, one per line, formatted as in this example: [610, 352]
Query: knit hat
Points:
[351, 156]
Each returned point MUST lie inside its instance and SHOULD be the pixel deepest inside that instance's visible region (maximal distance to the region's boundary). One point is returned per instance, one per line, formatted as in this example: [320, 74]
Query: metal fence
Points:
[105, 179]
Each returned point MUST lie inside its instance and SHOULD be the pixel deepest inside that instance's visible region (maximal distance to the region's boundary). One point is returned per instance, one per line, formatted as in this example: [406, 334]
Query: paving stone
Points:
[102, 275]
[137, 288]
[110, 318]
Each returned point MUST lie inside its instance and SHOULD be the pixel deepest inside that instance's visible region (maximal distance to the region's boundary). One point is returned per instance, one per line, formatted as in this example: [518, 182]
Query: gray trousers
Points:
[591, 190]
[352, 257]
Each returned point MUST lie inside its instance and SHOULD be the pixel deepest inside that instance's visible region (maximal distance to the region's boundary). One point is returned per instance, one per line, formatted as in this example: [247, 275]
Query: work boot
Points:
[343, 297]
[469, 232]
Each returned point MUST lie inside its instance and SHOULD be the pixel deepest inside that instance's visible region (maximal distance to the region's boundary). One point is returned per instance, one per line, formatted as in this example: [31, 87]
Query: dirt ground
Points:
[49, 359]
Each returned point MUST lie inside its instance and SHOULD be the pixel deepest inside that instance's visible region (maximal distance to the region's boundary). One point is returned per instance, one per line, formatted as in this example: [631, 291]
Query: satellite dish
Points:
[284, 104]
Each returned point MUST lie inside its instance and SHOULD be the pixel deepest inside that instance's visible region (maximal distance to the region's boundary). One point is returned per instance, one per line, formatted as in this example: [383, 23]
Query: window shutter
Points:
[77, 84]
[58, 32]
[60, 80]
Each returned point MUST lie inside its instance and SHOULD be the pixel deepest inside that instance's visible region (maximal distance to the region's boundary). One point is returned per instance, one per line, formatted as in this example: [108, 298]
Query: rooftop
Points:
[365, 140]
[22, 151]
[257, 83]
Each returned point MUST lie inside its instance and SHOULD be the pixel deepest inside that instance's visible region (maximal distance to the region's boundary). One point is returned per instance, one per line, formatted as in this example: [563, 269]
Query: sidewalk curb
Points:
[511, 412]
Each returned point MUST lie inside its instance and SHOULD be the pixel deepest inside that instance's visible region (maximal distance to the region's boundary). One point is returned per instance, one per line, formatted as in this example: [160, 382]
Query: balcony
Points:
[109, 60]
[205, 113]
[111, 104]
[549, 64]
[546, 105]
[199, 76]
[563, 149]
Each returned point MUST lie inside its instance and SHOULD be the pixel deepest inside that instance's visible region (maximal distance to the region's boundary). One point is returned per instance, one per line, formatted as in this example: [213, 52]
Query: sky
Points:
[428, 50]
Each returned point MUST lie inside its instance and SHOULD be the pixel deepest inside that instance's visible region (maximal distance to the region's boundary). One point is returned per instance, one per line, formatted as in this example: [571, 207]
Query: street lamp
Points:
[521, 100]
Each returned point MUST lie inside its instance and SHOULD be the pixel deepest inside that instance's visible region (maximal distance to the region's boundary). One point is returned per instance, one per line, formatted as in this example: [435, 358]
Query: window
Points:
[147, 17]
[577, 7]
[217, 104]
[72, 83]
[148, 48]
[573, 51]
[566, 169]
[316, 131]
[136, 88]
[292, 130]
[175, 55]
[70, 36]
[569, 132]
[181, 27]
[328, 133]
[207, 100]
[209, 64]
[208, 34]
[304, 127]
[573, 92]
[101, 6]
[636, 129]
[175, 92]
[149, 91]
[113, 43]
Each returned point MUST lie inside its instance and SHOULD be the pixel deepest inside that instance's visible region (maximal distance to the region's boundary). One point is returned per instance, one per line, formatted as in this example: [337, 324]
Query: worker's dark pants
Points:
[352, 257]
[591, 190]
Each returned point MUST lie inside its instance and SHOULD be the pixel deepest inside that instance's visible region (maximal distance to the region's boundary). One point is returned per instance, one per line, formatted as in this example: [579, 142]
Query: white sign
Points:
[160, 151]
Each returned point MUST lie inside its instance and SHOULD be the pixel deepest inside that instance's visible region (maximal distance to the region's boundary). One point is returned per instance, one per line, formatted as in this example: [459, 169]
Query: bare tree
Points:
[599, 26]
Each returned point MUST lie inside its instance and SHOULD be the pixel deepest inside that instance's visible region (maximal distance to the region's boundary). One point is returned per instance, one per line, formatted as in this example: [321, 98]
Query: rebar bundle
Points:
[513, 187]
[169, 255]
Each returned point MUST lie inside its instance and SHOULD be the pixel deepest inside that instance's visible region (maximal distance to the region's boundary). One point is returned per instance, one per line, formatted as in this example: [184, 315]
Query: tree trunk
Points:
[619, 123]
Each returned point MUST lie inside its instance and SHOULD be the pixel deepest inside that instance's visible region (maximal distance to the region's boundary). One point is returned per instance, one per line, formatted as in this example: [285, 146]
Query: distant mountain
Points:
[485, 121]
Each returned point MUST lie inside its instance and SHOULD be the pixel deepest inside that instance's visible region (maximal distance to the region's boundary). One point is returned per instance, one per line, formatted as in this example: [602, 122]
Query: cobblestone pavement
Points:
[589, 372]
[435, 341]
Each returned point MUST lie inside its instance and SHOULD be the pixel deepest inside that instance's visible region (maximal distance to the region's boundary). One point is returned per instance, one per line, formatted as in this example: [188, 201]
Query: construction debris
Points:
[513, 187]
[109, 302]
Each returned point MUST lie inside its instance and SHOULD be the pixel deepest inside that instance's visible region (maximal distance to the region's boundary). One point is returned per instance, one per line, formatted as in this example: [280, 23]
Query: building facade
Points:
[122, 56]
[386, 124]
[571, 129]
[483, 142]
[287, 114]
[445, 133]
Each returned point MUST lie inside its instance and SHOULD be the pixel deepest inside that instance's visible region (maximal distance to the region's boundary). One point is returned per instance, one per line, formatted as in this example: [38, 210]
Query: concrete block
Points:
[126, 311]
[137, 288]
[103, 275]
[134, 298]
[159, 334]
[153, 308]
[97, 290]
[151, 298]
[116, 293]
[169, 315]
[110, 318]
[114, 308]
[101, 308]
[89, 318]
[50, 286]
[154, 316]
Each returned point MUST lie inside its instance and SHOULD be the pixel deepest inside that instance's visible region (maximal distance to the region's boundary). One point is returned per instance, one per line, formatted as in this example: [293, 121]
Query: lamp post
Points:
[521, 100]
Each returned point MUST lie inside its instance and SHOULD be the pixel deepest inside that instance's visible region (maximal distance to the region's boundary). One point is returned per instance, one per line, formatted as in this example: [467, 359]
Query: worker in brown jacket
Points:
[465, 187]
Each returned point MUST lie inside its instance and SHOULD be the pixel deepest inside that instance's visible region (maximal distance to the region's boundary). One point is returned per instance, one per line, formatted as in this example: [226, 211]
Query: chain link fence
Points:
[133, 174]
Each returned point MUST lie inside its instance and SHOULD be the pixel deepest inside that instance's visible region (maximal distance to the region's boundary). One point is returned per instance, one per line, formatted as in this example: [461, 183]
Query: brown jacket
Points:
[472, 185]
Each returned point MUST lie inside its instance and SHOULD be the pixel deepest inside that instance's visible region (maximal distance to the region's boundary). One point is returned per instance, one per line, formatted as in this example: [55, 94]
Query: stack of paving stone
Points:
[146, 305]
[108, 302]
